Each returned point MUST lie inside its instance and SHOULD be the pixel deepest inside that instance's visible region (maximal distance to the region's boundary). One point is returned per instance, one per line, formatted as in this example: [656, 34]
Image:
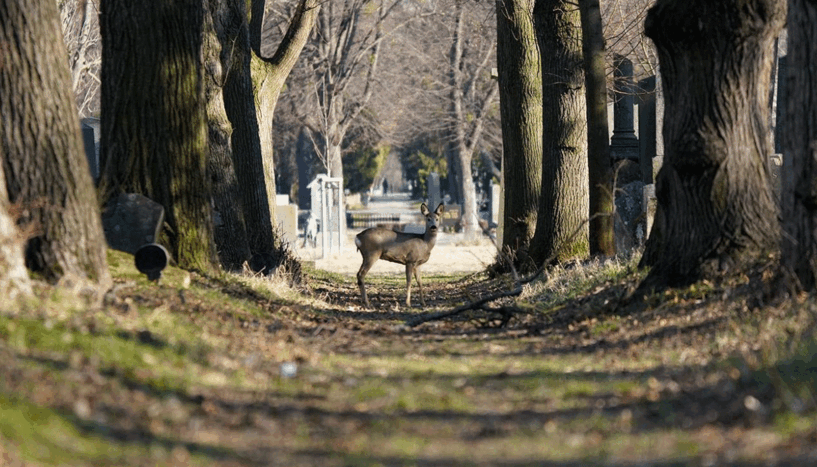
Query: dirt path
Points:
[219, 374]
[449, 256]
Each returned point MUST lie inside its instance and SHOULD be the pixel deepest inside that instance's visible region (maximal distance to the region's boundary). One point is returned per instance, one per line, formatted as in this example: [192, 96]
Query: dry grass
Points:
[199, 371]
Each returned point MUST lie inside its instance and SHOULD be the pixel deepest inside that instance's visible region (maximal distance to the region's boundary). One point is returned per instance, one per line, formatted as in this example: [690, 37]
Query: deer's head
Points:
[432, 218]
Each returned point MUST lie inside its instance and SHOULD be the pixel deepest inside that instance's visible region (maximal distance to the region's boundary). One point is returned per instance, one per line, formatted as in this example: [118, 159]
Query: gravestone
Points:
[90, 139]
[782, 72]
[649, 204]
[624, 146]
[775, 172]
[281, 199]
[433, 190]
[629, 223]
[494, 203]
[131, 220]
[650, 124]
[328, 207]
[286, 220]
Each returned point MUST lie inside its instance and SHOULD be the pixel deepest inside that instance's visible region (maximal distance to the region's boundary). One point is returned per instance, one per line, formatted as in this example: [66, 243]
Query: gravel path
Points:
[449, 255]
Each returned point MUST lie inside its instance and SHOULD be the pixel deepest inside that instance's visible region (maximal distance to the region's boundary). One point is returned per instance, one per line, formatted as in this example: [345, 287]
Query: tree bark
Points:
[270, 74]
[561, 227]
[14, 281]
[466, 128]
[799, 187]
[520, 97]
[600, 170]
[233, 33]
[713, 188]
[154, 128]
[230, 228]
[46, 172]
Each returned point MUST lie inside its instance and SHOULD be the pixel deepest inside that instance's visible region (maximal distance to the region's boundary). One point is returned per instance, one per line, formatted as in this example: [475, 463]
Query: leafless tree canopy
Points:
[80, 25]
[375, 72]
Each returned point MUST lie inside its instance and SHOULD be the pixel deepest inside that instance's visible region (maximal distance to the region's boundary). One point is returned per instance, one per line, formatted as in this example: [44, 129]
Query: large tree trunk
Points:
[713, 188]
[463, 144]
[270, 74]
[334, 153]
[799, 187]
[520, 93]
[600, 170]
[267, 87]
[239, 101]
[154, 128]
[468, 193]
[14, 280]
[230, 229]
[45, 168]
[561, 227]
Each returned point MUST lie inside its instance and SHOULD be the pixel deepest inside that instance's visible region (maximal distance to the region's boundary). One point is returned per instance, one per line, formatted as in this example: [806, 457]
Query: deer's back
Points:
[397, 247]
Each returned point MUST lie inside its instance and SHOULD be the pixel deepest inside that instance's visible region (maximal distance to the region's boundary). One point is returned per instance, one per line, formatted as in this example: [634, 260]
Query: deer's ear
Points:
[424, 209]
[440, 208]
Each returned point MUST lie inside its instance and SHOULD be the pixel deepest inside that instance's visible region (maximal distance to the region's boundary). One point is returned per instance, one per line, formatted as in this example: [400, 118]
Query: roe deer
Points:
[398, 247]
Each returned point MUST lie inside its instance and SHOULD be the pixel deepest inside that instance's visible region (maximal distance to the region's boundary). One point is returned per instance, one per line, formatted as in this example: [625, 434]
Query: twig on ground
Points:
[506, 312]
[477, 305]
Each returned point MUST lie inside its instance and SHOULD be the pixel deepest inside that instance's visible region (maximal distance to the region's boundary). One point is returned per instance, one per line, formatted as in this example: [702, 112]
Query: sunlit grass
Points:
[49, 437]
[563, 284]
[429, 394]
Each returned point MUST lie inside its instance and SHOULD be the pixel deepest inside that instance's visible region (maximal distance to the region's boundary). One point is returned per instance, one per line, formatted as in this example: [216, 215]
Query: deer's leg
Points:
[361, 274]
[419, 285]
[409, 272]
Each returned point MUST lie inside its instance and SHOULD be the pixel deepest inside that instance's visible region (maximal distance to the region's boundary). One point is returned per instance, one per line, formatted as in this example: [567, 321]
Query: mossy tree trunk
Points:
[154, 127]
[269, 74]
[46, 172]
[240, 104]
[230, 228]
[799, 194]
[600, 170]
[520, 96]
[561, 227]
[713, 190]
[14, 281]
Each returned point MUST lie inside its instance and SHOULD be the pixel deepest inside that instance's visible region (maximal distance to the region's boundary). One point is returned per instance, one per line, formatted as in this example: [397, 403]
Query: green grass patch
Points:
[50, 437]
[562, 285]
[141, 355]
[606, 326]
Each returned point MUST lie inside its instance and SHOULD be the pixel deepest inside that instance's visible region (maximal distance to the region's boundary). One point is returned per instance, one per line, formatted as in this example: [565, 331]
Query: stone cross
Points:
[624, 143]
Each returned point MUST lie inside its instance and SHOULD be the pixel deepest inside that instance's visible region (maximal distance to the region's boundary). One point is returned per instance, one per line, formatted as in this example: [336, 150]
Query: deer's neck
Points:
[430, 238]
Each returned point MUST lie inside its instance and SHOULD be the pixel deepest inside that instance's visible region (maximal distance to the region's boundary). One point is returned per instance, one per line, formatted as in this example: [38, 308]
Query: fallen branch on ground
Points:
[477, 305]
[506, 312]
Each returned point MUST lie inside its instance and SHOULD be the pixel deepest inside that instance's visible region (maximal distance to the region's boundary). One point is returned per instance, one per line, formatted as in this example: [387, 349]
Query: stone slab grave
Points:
[90, 139]
[630, 229]
[286, 220]
[132, 220]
